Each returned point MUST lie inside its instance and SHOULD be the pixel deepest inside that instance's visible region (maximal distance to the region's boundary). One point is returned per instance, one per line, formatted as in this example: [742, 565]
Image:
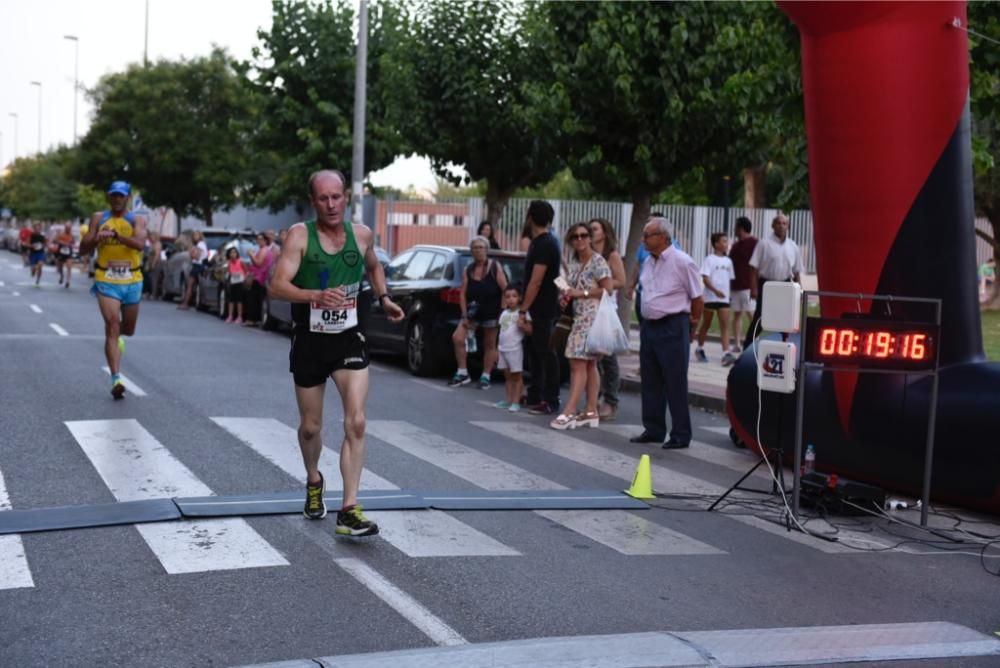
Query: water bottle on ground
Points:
[809, 461]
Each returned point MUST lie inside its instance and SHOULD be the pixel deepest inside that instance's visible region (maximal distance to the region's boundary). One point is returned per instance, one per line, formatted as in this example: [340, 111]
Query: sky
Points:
[110, 36]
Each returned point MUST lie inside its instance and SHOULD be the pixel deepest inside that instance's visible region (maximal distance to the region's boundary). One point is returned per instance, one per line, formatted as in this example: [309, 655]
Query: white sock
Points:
[462, 372]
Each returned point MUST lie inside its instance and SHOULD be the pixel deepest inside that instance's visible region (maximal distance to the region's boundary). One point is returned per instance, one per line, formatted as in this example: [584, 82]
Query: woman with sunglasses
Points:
[589, 279]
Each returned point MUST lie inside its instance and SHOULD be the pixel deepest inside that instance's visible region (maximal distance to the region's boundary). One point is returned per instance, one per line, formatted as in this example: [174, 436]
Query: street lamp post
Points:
[76, 76]
[39, 84]
[14, 116]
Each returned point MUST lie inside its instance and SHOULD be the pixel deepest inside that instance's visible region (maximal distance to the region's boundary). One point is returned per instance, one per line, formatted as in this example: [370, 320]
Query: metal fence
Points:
[399, 222]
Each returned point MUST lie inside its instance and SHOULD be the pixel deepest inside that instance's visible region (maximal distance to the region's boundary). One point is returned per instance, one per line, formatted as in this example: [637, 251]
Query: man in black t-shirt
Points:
[541, 300]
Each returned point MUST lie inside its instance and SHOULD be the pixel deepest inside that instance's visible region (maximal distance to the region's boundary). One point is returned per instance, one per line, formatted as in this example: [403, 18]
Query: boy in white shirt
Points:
[716, 272]
[511, 358]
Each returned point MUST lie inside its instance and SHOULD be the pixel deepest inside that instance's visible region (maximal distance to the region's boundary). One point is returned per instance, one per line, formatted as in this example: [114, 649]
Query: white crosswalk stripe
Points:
[416, 533]
[134, 466]
[14, 571]
[622, 466]
[622, 531]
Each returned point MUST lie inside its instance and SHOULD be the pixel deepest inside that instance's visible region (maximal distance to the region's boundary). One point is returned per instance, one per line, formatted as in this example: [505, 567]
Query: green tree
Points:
[174, 130]
[41, 187]
[984, 58]
[650, 91]
[460, 89]
[303, 72]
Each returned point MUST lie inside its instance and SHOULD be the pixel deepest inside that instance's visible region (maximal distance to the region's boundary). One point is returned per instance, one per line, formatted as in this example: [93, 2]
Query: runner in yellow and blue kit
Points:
[119, 237]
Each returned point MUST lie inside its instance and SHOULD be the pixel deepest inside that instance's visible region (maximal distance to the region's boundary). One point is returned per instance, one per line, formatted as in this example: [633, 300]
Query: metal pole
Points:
[1, 150]
[14, 116]
[800, 403]
[39, 84]
[145, 43]
[76, 76]
[360, 88]
[925, 495]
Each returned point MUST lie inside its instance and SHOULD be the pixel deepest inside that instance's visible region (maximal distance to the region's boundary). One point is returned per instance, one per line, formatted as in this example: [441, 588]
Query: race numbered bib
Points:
[37, 246]
[335, 321]
[235, 279]
[118, 271]
[65, 250]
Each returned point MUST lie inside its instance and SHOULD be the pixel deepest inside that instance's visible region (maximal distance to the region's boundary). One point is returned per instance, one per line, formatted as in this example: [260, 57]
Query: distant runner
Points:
[320, 269]
[120, 237]
[36, 253]
[64, 254]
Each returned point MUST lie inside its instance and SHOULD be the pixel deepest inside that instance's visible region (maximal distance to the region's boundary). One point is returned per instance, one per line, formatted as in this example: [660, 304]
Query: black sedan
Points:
[426, 283]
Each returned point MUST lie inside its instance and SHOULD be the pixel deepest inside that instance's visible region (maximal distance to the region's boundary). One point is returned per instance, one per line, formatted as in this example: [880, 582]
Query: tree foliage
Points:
[303, 71]
[650, 91]
[173, 129]
[460, 89]
[41, 188]
[984, 59]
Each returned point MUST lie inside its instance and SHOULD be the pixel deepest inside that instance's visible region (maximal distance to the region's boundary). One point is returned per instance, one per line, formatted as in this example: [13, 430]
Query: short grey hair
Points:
[479, 239]
[327, 172]
[663, 225]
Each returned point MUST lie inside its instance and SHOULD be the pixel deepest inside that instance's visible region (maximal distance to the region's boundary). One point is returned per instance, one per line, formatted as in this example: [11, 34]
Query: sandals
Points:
[591, 419]
[564, 422]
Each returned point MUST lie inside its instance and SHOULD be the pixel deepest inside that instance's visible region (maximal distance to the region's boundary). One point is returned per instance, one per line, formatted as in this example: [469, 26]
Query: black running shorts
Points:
[314, 357]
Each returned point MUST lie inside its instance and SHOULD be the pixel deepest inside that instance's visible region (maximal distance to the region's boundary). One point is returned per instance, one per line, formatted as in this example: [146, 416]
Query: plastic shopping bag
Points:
[606, 335]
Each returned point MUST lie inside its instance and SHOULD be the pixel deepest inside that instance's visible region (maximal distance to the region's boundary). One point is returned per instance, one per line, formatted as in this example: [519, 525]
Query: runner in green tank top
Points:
[319, 271]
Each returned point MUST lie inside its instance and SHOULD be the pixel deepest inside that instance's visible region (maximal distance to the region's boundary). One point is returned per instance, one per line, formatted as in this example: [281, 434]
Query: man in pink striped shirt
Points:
[671, 304]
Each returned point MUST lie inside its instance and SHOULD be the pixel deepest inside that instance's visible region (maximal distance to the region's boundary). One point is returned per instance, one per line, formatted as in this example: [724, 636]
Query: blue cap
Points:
[120, 188]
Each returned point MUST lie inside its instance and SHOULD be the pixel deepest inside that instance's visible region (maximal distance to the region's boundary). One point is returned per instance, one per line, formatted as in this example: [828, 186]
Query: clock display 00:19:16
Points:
[880, 344]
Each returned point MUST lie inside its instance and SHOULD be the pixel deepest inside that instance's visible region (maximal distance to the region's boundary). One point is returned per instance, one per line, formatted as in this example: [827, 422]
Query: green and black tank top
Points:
[320, 270]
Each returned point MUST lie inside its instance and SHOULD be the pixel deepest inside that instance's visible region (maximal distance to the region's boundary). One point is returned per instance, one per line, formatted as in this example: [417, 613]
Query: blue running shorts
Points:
[127, 294]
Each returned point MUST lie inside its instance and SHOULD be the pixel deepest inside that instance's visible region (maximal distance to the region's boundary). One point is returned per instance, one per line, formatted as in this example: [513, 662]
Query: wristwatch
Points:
[384, 295]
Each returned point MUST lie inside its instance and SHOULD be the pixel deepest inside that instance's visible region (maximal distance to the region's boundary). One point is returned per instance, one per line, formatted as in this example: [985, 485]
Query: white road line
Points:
[15, 294]
[2, 284]
[623, 466]
[14, 571]
[416, 533]
[35, 308]
[724, 431]
[617, 529]
[134, 466]
[432, 626]
[434, 386]
[735, 460]
[130, 386]
[58, 330]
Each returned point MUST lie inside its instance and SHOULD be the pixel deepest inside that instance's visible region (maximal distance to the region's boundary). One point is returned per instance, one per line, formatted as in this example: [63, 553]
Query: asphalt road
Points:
[218, 414]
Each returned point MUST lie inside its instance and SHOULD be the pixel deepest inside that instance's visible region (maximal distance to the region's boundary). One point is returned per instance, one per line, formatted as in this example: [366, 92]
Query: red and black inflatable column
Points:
[886, 89]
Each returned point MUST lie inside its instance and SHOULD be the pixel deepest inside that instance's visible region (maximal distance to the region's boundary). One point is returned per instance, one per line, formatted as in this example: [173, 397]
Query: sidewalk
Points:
[706, 381]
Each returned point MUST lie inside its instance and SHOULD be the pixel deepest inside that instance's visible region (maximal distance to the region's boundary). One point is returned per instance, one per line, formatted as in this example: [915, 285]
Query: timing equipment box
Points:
[831, 493]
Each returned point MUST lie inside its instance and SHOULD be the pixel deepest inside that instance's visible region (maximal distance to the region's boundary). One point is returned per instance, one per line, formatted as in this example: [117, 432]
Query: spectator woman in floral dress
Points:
[589, 277]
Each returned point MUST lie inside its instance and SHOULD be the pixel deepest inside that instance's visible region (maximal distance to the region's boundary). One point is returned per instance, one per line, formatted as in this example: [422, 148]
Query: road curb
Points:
[696, 398]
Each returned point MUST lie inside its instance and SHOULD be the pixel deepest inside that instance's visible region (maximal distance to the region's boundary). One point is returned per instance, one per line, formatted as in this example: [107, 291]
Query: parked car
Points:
[11, 239]
[178, 264]
[426, 282]
[212, 283]
[277, 313]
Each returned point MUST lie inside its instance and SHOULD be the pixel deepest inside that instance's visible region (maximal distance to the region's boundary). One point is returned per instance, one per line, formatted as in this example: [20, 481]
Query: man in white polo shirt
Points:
[775, 258]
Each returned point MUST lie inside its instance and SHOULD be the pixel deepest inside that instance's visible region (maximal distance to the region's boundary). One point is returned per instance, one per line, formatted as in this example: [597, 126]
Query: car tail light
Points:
[451, 295]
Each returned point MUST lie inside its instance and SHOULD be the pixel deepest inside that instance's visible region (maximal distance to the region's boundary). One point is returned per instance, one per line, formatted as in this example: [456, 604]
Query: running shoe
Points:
[699, 354]
[502, 404]
[728, 359]
[459, 379]
[352, 522]
[514, 408]
[484, 382]
[117, 388]
[315, 508]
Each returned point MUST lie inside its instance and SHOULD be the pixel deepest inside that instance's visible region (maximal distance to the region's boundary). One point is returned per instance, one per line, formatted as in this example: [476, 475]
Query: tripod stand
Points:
[774, 457]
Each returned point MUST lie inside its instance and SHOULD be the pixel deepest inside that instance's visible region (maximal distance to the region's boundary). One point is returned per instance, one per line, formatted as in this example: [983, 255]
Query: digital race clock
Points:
[871, 343]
